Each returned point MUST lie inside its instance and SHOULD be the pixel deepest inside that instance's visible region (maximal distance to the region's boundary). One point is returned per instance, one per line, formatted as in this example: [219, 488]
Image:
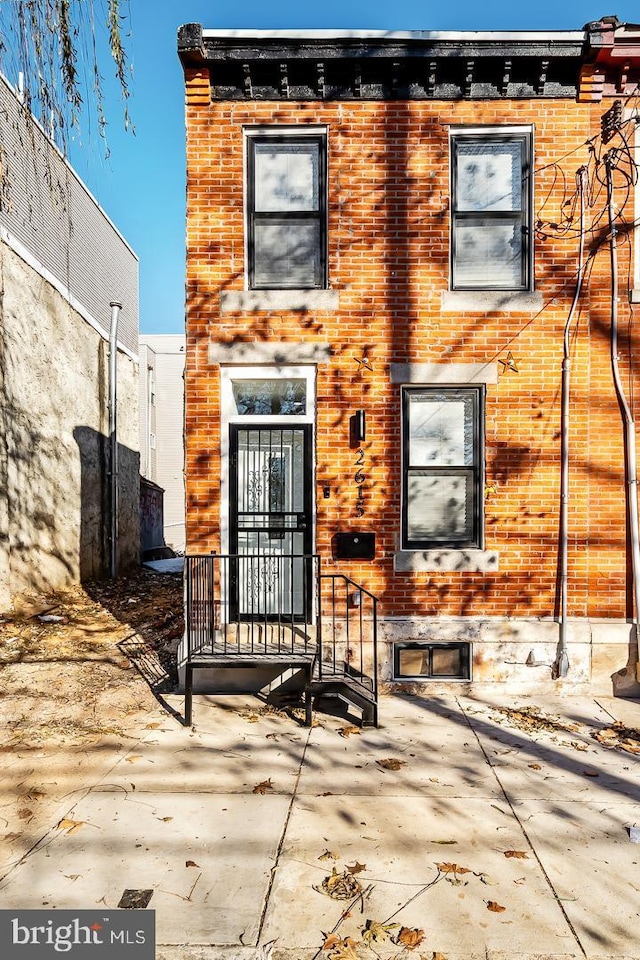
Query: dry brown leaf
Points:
[516, 854]
[438, 956]
[263, 787]
[356, 868]
[391, 763]
[535, 766]
[452, 868]
[134, 758]
[591, 773]
[347, 731]
[330, 941]
[495, 907]
[71, 826]
[344, 950]
[409, 938]
[339, 886]
[329, 855]
[191, 863]
[166, 819]
[375, 932]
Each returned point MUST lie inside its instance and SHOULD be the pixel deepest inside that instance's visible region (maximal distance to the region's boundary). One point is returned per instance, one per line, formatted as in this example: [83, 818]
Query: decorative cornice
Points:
[422, 66]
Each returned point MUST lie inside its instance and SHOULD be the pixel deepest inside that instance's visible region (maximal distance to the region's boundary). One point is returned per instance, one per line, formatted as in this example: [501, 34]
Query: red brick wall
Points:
[388, 258]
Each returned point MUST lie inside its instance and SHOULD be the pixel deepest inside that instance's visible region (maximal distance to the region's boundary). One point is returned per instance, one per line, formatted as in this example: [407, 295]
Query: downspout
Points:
[629, 425]
[562, 663]
[113, 436]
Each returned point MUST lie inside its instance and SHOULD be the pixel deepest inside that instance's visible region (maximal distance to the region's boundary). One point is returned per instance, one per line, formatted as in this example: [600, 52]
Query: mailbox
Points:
[354, 546]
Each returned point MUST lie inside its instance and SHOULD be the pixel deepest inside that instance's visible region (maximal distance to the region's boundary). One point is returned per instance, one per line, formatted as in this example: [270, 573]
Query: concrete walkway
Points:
[484, 834]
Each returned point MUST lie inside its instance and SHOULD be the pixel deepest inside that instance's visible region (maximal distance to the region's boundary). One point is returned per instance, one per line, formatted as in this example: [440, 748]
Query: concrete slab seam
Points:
[524, 832]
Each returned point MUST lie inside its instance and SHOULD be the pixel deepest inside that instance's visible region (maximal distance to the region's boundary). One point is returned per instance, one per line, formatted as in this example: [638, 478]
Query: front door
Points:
[271, 522]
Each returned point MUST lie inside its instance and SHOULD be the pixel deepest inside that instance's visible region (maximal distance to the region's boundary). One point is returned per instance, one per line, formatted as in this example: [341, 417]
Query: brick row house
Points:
[404, 360]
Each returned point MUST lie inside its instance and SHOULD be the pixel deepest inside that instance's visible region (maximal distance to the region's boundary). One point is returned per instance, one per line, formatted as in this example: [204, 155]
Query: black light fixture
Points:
[358, 426]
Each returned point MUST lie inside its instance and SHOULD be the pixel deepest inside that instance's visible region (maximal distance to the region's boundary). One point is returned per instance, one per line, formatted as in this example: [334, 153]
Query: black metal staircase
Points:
[316, 632]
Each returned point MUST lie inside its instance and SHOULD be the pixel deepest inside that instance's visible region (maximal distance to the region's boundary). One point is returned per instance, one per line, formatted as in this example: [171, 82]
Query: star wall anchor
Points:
[509, 363]
[363, 363]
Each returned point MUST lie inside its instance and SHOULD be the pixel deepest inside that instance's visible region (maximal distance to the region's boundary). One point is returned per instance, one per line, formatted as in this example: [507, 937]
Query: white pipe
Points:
[113, 436]
[562, 664]
[629, 425]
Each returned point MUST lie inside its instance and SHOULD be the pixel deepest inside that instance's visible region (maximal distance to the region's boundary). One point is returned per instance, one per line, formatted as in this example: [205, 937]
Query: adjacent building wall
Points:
[61, 264]
[162, 426]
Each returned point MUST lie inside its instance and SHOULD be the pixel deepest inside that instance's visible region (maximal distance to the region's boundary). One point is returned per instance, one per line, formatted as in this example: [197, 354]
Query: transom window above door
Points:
[270, 397]
[286, 210]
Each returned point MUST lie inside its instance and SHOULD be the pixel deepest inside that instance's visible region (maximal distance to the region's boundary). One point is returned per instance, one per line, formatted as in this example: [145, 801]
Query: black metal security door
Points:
[271, 521]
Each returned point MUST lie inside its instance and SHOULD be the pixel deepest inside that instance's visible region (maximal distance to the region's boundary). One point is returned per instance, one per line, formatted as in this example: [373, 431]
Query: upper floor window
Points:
[491, 246]
[443, 460]
[287, 211]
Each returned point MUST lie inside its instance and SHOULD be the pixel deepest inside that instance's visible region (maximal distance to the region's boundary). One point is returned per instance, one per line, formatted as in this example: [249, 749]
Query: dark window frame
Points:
[428, 647]
[524, 215]
[475, 471]
[308, 216]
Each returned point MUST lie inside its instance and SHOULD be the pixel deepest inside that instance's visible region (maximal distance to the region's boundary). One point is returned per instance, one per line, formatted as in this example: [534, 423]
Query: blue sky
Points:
[142, 183]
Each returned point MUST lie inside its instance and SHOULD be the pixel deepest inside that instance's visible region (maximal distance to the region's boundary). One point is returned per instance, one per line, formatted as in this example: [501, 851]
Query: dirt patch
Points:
[82, 674]
[87, 661]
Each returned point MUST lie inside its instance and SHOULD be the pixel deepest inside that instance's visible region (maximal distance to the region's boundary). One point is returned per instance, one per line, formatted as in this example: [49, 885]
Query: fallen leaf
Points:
[272, 736]
[391, 763]
[330, 941]
[166, 819]
[409, 938]
[535, 766]
[151, 726]
[444, 842]
[265, 950]
[591, 773]
[433, 780]
[71, 826]
[347, 731]
[339, 886]
[263, 787]
[375, 932]
[451, 868]
[495, 907]
[191, 863]
[133, 759]
[578, 746]
[329, 855]
[356, 868]
[438, 956]
[516, 854]
[25, 813]
[344, 950]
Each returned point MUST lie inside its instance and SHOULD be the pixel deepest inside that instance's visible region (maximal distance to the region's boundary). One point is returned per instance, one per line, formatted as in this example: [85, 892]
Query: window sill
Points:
[488, 301]
[446, 561]
[246, 301]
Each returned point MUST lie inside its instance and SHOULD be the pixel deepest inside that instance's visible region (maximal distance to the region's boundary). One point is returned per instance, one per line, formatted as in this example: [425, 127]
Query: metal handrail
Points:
[324, 624]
